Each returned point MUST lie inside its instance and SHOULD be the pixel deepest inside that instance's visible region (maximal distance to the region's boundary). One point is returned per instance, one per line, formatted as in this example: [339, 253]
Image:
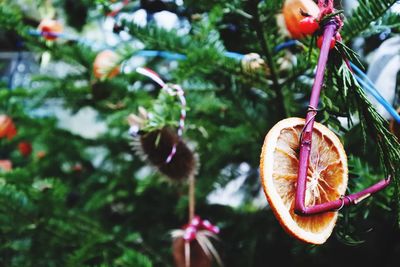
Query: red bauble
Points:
[105, 65]
[293, 12]
[308, 25]
[25, 148]
[7, 127]
[48, 27]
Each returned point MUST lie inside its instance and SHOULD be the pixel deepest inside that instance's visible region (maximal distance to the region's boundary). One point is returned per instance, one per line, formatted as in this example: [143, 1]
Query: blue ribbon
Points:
[370, 88]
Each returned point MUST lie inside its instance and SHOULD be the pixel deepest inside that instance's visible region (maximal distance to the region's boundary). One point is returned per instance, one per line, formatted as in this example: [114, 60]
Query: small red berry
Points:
[320, 40]
[25, 148]
[308, 25]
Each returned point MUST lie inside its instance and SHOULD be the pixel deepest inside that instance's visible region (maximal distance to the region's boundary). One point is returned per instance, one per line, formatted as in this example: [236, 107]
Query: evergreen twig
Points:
[270, 62]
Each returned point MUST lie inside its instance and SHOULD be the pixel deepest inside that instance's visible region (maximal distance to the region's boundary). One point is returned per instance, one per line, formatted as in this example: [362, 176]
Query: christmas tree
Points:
[121, 121]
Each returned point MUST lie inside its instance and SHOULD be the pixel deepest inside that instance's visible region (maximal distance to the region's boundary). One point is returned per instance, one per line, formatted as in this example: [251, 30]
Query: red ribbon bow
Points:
[196, 225]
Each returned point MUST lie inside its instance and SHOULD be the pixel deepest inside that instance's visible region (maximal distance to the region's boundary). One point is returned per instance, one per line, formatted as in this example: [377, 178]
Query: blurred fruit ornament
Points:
[191, 245]
[40, 154]
[7, 127]
[394, 127]
[106, 65]
[5, 165]
[252, 62]
[50, 29]
[155, 146]
[296, 10]
[25, 148]
[164, 147]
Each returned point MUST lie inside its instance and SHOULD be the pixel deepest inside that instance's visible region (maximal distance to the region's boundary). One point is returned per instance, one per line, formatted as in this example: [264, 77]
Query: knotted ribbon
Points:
[197, 224]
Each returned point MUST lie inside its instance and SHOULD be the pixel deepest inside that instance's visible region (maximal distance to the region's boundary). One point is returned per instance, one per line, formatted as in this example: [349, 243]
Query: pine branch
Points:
[367, 12]
[269, 60]
[372, 123]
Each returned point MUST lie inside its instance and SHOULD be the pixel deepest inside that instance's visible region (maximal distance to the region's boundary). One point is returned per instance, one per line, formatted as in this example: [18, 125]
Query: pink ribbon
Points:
[197, 224]
[117, 10]
[173, 90]
[326, 7]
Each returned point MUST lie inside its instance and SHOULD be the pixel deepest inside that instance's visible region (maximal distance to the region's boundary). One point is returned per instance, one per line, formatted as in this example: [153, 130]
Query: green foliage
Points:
[90, 201]
[367, 12]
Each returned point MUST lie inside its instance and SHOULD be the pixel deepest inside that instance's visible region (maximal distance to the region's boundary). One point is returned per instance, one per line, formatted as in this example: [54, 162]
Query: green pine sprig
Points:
[367, 12]
[373, 125]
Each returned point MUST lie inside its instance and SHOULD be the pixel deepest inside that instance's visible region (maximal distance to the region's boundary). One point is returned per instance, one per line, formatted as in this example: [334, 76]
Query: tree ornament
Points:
[50, 28]
[155, 146]
[296, 10]
[25, 148]
[106, 65]
[327, 177]
[7, 127]
[308, 25]
[198, 258]
[5, 165]
[162, 145]
[303, 165]
[252, 62]
[192, 246]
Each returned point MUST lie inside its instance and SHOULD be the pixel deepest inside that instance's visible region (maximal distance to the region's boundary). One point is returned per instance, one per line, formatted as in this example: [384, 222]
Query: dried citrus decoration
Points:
[326, 178]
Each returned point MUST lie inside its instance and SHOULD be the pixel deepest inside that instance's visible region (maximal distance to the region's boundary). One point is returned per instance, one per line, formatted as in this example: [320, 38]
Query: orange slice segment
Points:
[326, 177]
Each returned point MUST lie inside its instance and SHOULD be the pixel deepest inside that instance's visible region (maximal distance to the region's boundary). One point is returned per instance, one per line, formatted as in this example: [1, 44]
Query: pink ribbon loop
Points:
[196, 225]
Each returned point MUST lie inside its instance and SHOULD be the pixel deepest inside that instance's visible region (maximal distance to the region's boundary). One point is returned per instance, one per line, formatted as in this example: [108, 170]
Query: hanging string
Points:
[192, 197]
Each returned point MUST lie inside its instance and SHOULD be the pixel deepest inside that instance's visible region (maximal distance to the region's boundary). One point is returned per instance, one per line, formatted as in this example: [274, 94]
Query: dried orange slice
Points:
[326, 177]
